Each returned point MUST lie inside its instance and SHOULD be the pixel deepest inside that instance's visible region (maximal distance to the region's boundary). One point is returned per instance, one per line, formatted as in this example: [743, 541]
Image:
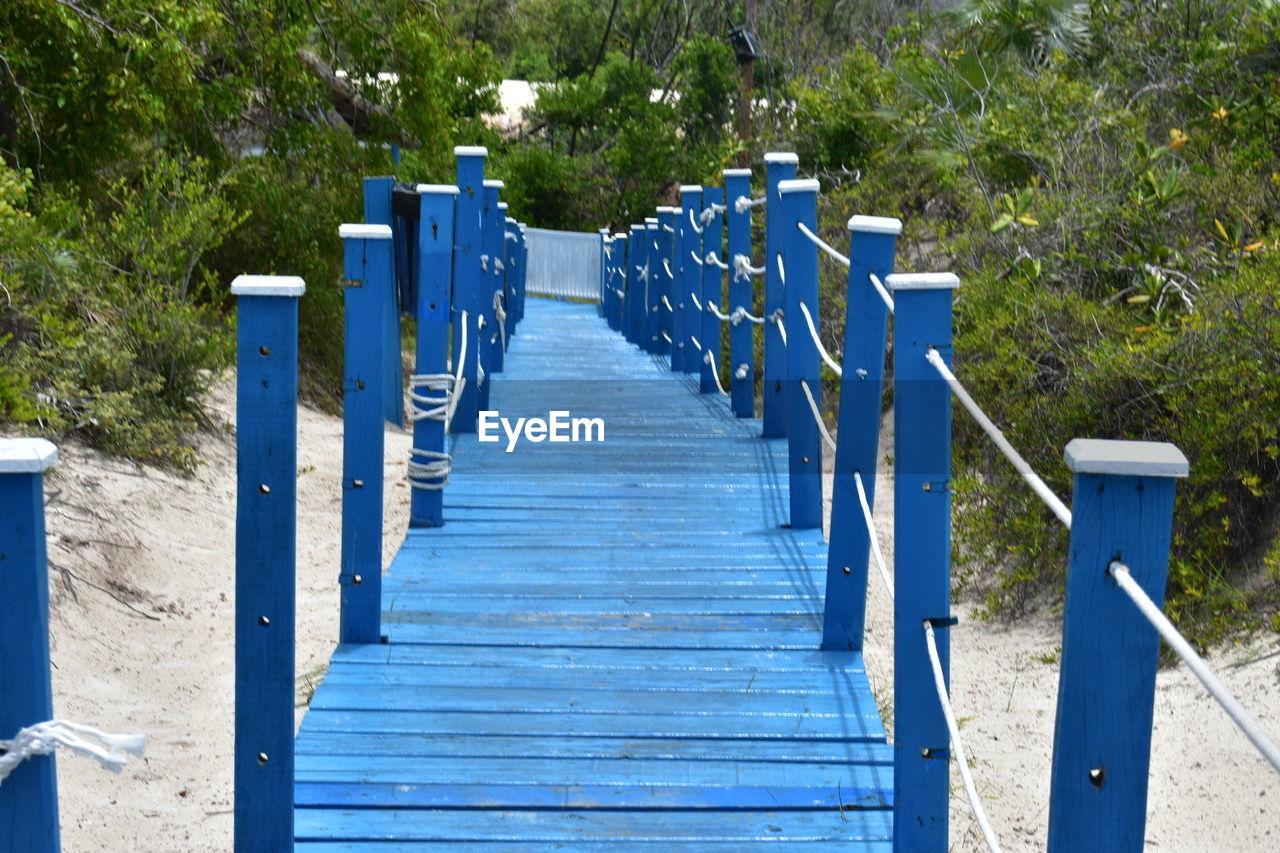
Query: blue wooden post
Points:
[779, 167]
[524, 274]
[742, 358]
[636, 260]
[491, 336]
[653, 264]
[377, 211]
[605, 252]
[507, 277]
[435, 280]
[871, 249]
[368, 272]
[922, 556]
[686, 357]
[667, 217]
[522, 264]
[468, 277]
[712, 290]
[266, 549]
[1121, 510]
[619, 280]
[29, 797]
[798, 203]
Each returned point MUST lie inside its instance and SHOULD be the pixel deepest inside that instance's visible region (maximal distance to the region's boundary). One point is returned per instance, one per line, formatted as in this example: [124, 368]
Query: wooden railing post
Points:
[491, 285]
[779, 167]
[266, 547]
[712, 290]
[606, 251]
[467, 277]
[922, 556]
[377, 211]
[515, 265]
[617, 280]
[29, 797]
[636, 258]
[506, 281]
[522, 247]
[667, 217]
[368, 273]
[798, 203]
[684, 357]
[742, 357]
[653, 267]
[871, 249]
[435, 281]
[1121, 510]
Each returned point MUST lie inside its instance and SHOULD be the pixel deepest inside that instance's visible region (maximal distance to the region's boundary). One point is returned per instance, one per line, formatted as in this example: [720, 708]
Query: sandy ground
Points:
[142, 582]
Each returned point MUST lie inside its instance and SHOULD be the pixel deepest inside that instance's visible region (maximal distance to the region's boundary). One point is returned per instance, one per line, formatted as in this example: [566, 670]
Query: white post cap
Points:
[502, 205]
[360, 231]
[604, 231]
[668, 209]
[922, 281]
[800, 185]
[621, 235]
[737, 173]
[690, 188]
[781, 157]
[494, 184]
[438, 189]
[268, 285]
[1128, 458]
[875, 224]
[26, 455]
[470, 151]
[511, 220]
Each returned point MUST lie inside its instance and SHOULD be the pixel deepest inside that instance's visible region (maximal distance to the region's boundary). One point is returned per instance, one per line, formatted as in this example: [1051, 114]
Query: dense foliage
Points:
[1102, 176]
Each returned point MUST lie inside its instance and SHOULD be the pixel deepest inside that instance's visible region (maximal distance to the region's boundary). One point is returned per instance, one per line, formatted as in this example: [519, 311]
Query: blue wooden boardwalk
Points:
[607, 645]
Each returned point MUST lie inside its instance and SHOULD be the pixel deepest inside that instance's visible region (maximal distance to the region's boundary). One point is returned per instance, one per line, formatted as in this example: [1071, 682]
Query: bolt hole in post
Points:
[264, 489]
[1097, 776]
[262, 758]
[264, 351]
[264, 621]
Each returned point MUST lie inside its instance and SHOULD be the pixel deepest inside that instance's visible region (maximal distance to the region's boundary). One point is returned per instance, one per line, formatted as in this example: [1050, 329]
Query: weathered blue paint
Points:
[29, 797]
[266, 536]
[690, 325]
[922, 558]
[368, 273]
[637, 257]
[779, 167]
[467, 277]
[1120, 510]
[712, 291]
[737, 184]
[798, 203]
[377, 211]
[491, 344]
[435, 281]
[871, 250]
[624, 671]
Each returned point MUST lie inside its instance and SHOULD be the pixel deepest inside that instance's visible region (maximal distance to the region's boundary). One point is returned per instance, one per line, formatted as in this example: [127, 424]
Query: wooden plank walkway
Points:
[607, 646]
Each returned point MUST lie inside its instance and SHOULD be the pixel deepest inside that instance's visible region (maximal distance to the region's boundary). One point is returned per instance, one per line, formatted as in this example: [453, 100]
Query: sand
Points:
[142, 582]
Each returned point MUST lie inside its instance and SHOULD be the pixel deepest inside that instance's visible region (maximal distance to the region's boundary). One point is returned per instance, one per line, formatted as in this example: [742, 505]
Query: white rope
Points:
[782, 270]
[514, 239]
[711, 362]
[742, 204]
[111, 751]
[697, 260]
[668, 228]
[484, 263]
[1219, 691]
[740, 313]
[429, 469]
[724, 318]
[872, 535]
[697, 304]
[498, 266]
[695, 342]
[709, 213]
[667, 302]
[882, 290]
[713, 258]
[430, 408]
[776, 319]
[821, 244]
[501, 314]
[1046, 494]
[979, 814]
[742, 267]
[741, 372]
[693, 222]
[666, 266]
[817, 416]
[666, 337]
[813, 333]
